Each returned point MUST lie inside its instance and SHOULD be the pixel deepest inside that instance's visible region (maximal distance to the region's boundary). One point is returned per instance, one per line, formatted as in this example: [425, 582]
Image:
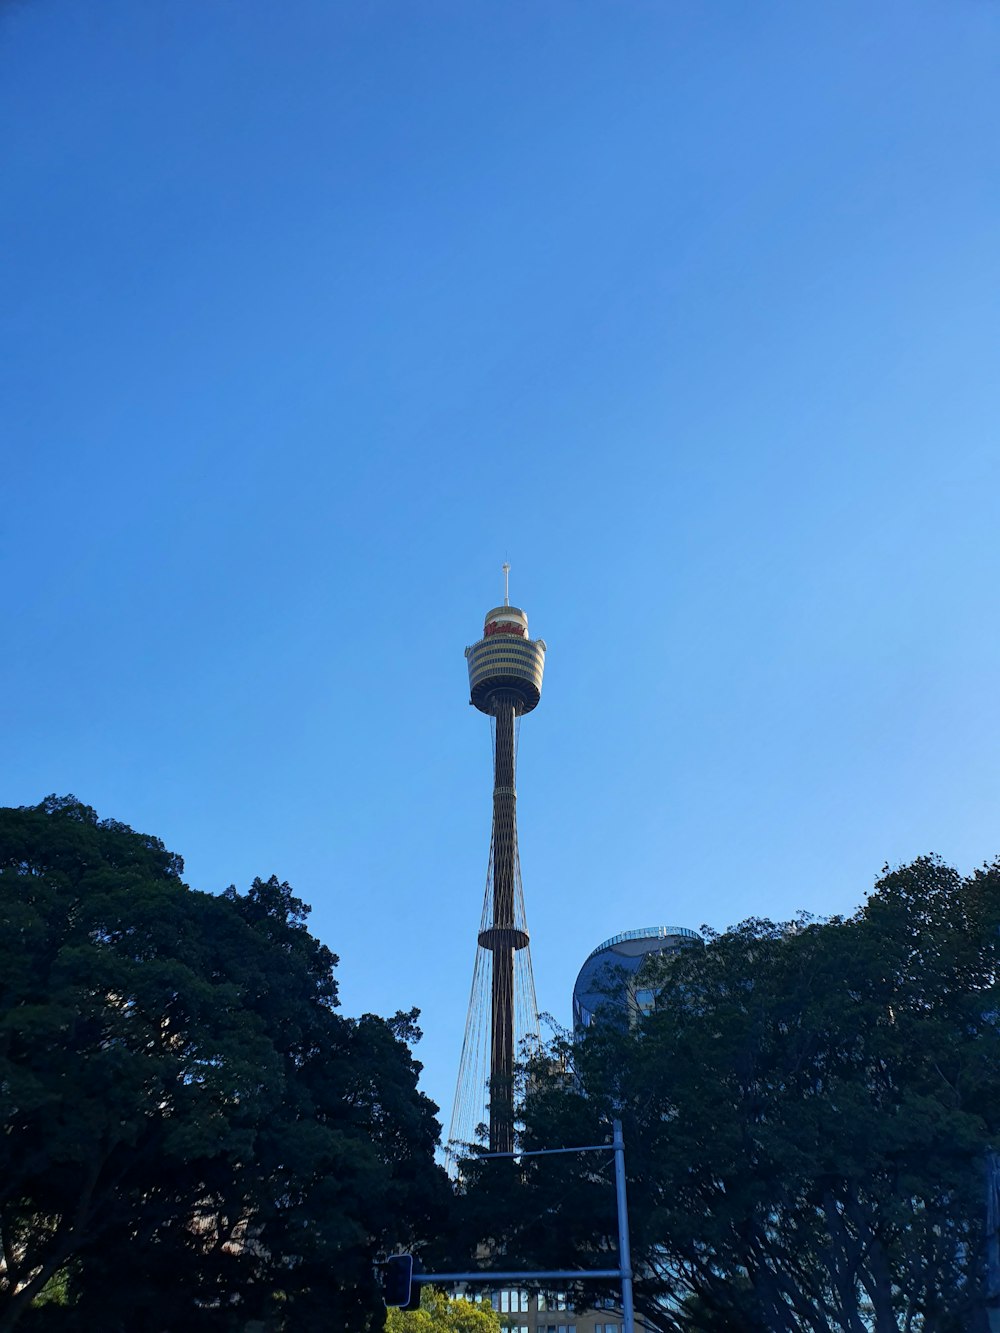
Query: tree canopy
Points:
[193, 1136]
[807, 1116]
[440, 1313]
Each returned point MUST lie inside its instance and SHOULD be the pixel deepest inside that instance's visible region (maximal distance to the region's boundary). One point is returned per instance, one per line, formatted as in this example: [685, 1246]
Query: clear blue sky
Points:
[313, 311]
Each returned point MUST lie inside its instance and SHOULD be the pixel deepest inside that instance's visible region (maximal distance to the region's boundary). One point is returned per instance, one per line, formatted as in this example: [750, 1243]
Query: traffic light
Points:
[397, 1282]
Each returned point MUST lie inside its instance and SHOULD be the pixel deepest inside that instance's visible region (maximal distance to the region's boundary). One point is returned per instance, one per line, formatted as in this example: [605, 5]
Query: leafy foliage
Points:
[183, 1104]
[439, 1314]
[806, 1114]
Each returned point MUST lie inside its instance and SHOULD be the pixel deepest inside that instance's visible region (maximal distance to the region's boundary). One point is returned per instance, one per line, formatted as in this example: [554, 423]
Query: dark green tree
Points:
[806, 1113]
[193, 1137]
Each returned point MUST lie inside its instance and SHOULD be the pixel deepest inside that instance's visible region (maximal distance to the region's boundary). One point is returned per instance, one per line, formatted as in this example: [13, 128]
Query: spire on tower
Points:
[506, 583]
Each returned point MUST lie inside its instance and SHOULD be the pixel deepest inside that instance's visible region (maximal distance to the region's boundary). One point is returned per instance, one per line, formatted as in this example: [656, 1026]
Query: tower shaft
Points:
[504, 709]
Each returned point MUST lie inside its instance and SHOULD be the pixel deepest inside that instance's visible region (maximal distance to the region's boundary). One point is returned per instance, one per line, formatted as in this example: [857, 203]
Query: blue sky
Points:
[313, 312]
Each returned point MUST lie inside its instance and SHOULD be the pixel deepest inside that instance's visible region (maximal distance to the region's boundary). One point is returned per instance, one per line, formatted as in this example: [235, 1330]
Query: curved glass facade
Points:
[611, 980]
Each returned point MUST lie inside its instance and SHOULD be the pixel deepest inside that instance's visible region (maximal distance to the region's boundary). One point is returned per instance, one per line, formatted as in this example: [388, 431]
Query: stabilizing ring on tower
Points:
[503, 937]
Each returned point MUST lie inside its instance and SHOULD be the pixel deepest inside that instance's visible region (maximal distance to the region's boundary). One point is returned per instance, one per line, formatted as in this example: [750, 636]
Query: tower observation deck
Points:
[505, 682]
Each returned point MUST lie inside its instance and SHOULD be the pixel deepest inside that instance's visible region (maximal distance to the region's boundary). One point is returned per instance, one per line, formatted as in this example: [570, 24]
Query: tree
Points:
[193, 1135]
[807, 1114]
[440, 1314]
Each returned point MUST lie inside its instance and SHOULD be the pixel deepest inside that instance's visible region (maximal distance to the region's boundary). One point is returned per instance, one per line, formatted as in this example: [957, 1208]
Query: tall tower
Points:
[505, 682]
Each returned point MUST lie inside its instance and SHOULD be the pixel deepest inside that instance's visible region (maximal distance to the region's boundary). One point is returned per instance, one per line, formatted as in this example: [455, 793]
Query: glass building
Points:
[547, 1312]
[619, 976]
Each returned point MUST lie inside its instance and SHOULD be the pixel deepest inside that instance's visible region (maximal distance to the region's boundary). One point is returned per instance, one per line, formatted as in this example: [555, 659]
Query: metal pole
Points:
[518, 1275]
[624, 1269]
[624, 1253]
[542, 1152]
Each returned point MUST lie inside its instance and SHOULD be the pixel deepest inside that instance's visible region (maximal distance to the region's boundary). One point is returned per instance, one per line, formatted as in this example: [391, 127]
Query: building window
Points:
[513, 1302]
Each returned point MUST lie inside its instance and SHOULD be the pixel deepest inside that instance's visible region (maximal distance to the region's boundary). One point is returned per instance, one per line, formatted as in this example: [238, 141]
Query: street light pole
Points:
[624, 1269]
[624, 1250]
